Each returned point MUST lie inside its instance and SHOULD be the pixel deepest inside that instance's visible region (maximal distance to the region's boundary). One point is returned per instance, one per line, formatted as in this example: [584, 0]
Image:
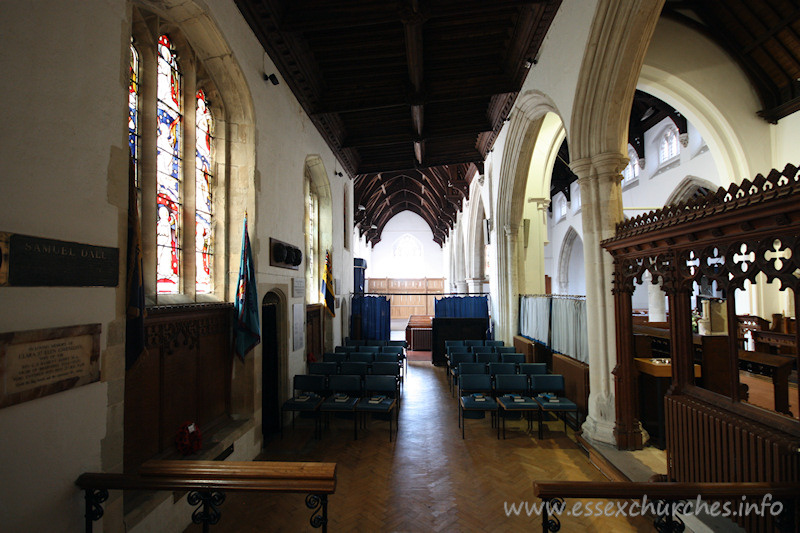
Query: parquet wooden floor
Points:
[428, 479]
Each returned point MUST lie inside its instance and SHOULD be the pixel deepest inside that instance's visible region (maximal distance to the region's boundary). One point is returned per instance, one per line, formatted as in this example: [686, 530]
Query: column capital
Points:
[541, 203]
[610, 163]
[598, 166]
[511, 230]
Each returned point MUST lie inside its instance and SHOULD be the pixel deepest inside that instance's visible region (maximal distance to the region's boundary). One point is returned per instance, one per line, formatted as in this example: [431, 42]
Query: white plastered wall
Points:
[384, 264]
[65, 177]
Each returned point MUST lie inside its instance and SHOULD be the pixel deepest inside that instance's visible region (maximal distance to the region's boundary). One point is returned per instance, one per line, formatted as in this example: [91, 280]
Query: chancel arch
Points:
[523, 187]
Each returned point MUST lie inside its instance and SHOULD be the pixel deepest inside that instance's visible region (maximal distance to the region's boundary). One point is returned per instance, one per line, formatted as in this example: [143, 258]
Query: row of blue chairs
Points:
[342, 393]
[480, 349]
[354, 342]
[372, 349]
[513, 394]
[473, 342]
[363, 357]
[481, 359]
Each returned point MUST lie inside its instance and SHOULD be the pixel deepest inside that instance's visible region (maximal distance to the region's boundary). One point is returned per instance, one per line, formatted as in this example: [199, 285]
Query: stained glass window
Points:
[133, 113]
[312, 239]
[203, 187]
[169, 168]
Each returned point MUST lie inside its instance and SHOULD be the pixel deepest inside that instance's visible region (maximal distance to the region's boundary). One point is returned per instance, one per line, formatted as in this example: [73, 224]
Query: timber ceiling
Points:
[762, 36]
[409, 94]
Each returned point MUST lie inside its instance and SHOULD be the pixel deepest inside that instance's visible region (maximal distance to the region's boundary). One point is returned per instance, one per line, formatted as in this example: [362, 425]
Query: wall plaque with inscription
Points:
[27, 261]
[41, 362]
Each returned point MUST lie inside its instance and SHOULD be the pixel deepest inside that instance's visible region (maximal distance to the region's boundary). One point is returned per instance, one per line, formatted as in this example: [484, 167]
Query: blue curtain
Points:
[462, 307]
[373, 313]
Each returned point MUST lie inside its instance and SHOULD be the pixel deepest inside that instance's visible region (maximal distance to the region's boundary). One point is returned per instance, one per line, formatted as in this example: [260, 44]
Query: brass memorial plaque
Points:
[41, 362]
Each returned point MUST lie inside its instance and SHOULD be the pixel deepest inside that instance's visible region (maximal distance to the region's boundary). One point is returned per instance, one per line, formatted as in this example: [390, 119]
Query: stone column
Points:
[656, 300]
[475, 285]
[461, 286]
[601, 205]
[513, 267]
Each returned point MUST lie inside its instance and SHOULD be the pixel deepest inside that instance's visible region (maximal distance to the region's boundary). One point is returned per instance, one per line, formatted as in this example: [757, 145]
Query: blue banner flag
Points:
[135, 312]
[327, 288]
[246, 333]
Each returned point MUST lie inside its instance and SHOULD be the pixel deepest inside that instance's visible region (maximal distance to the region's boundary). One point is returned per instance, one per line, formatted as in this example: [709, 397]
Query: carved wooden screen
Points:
[729, 236]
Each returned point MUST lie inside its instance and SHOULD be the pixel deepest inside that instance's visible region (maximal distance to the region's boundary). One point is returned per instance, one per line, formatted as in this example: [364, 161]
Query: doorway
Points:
[270, 368]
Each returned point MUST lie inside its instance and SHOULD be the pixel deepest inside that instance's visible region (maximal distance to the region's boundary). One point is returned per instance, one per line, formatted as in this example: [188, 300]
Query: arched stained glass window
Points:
[169, 168]
[312, 243]
[204, 181]
[133, 113]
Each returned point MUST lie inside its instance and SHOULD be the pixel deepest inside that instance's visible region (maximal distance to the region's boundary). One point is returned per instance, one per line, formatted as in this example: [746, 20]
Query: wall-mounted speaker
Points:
[487, 227]
[284, 255]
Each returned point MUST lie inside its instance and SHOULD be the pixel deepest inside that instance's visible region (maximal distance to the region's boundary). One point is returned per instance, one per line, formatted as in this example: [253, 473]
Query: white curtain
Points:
[534, 318]
[569, 328]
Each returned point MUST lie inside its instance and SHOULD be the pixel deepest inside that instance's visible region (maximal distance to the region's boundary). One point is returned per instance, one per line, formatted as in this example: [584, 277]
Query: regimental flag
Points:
[246, 333]
[135, 312]
[327, 288]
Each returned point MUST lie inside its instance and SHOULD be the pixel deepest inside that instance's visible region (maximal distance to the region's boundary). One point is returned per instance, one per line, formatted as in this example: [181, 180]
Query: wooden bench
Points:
[208, 481]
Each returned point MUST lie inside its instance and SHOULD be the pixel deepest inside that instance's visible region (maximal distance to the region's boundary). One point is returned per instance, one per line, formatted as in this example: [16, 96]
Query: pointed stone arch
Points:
[527, 120]
[598, 139]
[564, 257]
[688, 188]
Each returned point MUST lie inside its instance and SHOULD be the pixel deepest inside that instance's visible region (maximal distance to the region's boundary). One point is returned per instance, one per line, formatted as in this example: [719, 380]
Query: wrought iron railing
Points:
[208, 481]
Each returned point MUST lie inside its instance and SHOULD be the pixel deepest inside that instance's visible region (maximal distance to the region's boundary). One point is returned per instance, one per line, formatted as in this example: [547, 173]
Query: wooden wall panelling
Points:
[185, 376]
[576, 380]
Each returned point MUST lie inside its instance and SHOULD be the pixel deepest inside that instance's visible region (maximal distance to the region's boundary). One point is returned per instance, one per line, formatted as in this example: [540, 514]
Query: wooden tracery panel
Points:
[729, 236]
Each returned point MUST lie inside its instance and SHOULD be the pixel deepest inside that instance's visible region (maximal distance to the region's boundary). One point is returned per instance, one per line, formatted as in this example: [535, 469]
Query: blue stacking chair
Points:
[368, 348]
[515, 358]
[532, 368]
[362, 357]
[345, 349]
[455, 360]
[458, 342]
[502, 368]
[375, 342]
[323, 369]
[474, 398]
[380, 397]
[345, 393]
[504, 349]
[473, 342]
[354, 368]
[307, 398]
[339, 357]
[506, 385]
[547, 391]
[487, 358]
[381, 368]
[482, 349]
[403, 344]
[472, 368]
[492, 343]
[354, 342]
